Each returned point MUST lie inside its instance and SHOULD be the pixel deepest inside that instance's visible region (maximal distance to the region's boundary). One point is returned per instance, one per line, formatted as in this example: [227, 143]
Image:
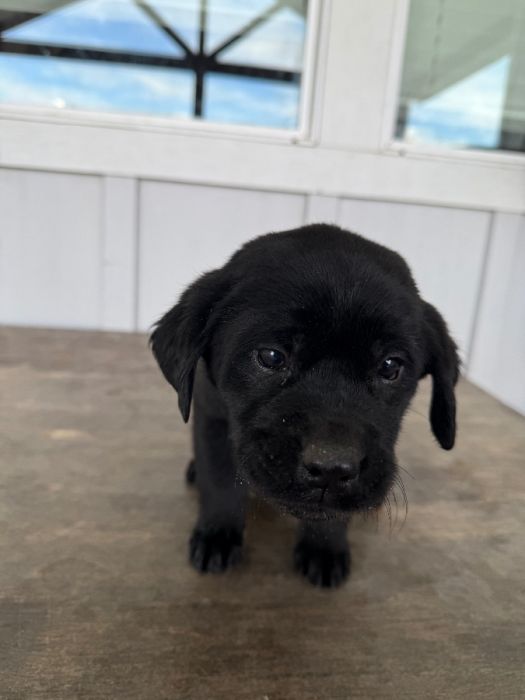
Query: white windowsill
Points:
[495, 158]
[145, 123]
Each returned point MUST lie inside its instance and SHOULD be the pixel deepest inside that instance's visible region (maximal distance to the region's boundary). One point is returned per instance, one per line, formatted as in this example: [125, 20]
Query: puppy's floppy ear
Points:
[182, 335]
[442, 362]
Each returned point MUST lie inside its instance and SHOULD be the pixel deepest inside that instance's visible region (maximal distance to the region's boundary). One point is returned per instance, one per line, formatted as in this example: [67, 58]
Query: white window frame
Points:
[123, 120]
[393, 146]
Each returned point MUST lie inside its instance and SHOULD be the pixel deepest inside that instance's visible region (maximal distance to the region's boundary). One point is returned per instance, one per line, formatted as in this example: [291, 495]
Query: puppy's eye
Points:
[390, 369]
[271, 359]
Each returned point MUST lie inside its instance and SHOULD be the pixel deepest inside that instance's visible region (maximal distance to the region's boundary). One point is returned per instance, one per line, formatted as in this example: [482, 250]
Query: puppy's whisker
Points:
[393, 492]
[404, 492]
[400, 466]
[418, 413]
[398, 481]
[388, 509]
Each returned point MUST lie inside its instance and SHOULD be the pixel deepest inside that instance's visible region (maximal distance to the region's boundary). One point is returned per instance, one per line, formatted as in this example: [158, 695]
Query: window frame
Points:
[397, 147]
[145, 122]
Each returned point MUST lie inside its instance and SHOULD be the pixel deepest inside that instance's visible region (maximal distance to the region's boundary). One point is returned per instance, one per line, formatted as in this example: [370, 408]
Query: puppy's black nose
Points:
[331, 466]
[331, 474]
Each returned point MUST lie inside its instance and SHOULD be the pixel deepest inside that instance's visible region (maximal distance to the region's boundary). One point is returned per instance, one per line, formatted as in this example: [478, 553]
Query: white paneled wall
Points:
[186, 230]
[444, 247]
[321, 208]
[119, 253]
[50, 249]
[498, 350]
[110, 252]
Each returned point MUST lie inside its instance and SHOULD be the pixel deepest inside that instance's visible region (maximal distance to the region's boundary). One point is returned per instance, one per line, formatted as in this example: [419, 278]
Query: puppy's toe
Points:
[322, 567]
[215, 551]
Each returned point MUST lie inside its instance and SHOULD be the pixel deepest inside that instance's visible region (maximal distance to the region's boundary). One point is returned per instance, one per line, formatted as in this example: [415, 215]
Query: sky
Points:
[121, 25]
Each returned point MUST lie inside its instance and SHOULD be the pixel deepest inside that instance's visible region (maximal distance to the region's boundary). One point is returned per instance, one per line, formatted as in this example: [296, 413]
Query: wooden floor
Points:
[97, 599]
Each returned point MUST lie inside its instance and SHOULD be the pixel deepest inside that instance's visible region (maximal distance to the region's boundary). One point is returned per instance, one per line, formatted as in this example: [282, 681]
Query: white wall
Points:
[50, 249]
[105, 219]
[498, 343]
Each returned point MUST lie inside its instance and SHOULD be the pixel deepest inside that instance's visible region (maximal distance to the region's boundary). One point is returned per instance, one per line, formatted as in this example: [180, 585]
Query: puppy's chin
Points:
[311, 512]
[321, 511]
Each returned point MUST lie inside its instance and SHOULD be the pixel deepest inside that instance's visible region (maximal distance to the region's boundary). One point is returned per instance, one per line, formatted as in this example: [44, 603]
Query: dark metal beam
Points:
[260, 19]
[161, 24]
[206, 64]
[284, 76]
[85, 54]
[200, 65]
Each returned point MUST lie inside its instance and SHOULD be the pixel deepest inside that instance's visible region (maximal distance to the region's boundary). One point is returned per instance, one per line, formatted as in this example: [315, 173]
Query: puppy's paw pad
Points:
[322, 567]
[216, 550]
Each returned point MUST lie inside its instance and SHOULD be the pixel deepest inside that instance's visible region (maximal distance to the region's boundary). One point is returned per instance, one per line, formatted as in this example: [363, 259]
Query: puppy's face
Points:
[315, 341]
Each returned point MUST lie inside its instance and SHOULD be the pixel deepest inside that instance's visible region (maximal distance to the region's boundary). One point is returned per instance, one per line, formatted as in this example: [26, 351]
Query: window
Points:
[463, 82]
[229, 61]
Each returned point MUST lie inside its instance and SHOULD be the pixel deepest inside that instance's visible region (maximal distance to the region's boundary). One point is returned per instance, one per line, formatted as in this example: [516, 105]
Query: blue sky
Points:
[121, 25]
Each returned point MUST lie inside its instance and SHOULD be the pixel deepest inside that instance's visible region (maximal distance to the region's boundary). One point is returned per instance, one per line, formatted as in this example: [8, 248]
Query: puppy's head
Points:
[315, 340]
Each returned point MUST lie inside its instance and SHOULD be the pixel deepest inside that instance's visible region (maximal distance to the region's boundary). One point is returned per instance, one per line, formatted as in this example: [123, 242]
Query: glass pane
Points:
[251, 101]
[236, 61]
[463, 81]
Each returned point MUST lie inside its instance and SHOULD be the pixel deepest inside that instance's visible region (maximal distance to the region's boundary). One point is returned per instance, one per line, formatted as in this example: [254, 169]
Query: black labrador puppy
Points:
[302, 354]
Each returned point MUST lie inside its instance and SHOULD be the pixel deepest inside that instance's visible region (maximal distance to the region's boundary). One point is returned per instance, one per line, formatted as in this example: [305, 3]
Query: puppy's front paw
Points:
[322, 567]
[215, 550]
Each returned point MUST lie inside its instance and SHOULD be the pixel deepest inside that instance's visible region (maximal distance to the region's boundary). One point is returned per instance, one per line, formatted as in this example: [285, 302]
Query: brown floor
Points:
[97, 600]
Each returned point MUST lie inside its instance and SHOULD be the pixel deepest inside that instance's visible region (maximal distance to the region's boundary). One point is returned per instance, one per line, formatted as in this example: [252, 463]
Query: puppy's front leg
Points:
[322, 553]
[216, 542]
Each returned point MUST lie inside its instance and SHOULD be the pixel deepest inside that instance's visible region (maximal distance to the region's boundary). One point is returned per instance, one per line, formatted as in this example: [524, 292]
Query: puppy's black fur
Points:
[302, 354]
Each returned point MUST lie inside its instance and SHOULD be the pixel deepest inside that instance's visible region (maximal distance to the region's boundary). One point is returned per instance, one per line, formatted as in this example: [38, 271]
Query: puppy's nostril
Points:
[314, 470]
[345, 473]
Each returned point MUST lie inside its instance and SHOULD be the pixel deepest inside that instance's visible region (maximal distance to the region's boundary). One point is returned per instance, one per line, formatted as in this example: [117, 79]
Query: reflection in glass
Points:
[234, 61]
[463, 82]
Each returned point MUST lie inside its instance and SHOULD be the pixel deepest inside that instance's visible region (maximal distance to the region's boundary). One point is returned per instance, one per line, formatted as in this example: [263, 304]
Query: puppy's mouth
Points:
[314, 504]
